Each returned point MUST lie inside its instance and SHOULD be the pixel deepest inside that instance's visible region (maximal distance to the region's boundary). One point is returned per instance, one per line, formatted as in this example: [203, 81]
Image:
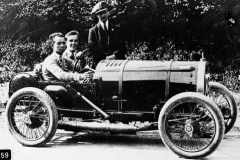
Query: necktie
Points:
[104, 26]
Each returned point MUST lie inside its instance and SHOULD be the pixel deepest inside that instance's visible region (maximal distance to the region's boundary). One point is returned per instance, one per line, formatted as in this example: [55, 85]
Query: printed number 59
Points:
[5, 154]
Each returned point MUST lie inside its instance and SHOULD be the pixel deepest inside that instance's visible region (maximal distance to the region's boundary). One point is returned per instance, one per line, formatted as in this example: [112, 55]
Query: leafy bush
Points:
[167, 51]
[160, 30]
[228, 77]
[17, 56]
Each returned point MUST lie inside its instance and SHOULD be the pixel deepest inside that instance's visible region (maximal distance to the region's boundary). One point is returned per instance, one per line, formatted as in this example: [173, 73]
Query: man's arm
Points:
[93, 46]
[120, 53]
[121, 48]
[95, 51]
[54, 68]
[92, 42]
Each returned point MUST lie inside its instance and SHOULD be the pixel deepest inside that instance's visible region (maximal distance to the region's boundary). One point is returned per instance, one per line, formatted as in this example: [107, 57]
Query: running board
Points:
[98, 126]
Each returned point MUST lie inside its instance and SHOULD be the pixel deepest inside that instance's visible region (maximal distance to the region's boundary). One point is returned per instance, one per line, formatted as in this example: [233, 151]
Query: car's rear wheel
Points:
[31, 116]
[226, 102]
[190, 125]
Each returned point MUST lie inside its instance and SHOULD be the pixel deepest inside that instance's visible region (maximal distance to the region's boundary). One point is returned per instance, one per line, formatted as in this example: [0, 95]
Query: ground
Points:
[97, 145]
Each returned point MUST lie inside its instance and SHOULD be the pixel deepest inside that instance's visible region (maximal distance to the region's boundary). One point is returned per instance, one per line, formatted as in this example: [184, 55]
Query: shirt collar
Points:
[69, 53]
[103, 24]
[55, 54]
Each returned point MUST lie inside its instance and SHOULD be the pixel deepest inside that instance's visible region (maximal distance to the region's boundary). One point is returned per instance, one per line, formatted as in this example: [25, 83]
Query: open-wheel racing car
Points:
[173, 97]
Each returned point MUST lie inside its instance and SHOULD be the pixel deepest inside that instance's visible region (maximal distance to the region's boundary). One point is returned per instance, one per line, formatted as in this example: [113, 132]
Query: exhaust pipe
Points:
[96, 126]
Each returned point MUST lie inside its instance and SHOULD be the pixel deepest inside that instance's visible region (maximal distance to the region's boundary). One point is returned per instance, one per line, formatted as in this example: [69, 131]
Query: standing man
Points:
[52, 67]
[104, 38]
[72, 51]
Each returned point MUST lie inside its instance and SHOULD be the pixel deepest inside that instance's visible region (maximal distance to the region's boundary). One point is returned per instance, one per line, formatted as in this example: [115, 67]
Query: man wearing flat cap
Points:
[104, 38]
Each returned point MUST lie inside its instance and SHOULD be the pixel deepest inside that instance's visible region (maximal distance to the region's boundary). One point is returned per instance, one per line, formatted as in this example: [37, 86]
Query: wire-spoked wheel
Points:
[190, 125]
[31, 116]
[226, 102]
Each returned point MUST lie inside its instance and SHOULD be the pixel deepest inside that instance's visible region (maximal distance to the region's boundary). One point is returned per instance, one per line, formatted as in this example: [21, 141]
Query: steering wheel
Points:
[78, 59]
[75, 65]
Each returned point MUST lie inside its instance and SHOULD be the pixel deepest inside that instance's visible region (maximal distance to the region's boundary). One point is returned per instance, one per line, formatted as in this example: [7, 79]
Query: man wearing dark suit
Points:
[104, 38]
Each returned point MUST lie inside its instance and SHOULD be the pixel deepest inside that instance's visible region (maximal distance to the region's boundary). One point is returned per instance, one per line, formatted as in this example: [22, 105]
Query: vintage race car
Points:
[173, 97]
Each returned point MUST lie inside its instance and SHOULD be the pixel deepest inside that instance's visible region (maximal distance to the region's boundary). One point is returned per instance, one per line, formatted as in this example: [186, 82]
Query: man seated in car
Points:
[52, 67]
[72, 52]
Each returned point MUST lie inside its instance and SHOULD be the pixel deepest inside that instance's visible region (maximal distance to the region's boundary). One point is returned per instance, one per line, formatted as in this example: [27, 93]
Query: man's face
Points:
[59, 45]
[103, 15]
[72, 42]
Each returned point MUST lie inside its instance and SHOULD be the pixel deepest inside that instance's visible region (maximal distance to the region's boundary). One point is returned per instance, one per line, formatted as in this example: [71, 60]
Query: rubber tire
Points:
[217, 87]
[191, 97]
[53, 115]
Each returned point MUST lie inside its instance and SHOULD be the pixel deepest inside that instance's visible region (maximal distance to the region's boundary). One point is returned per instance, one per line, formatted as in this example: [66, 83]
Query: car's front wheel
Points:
[190, 125]
[31, 116]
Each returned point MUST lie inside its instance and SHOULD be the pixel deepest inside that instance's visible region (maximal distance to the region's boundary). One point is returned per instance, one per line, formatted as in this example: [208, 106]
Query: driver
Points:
[52, 67]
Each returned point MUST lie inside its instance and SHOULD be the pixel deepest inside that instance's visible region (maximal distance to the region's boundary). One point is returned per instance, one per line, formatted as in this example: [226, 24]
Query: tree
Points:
[153, 29]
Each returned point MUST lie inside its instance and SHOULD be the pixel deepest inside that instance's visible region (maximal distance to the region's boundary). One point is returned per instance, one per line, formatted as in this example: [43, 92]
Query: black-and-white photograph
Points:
[119, 79]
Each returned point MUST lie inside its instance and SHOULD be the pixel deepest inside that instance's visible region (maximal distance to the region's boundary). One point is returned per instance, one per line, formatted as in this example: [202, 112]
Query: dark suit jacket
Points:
[69, 62]
[102, 43]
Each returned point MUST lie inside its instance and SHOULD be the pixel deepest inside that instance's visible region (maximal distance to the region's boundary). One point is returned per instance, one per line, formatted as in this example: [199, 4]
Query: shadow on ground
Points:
[101, 138]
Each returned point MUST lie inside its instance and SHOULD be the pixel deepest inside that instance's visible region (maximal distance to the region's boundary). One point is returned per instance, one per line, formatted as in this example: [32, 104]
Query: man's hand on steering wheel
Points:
[88, 75]
[79, 55]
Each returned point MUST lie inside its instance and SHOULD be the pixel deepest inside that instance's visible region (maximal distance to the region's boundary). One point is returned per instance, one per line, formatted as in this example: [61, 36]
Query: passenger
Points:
[104, 38]
[72, 53]
[52, 66]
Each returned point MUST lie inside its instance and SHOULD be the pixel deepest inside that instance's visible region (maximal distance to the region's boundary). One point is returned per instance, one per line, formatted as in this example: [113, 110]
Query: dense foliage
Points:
[153, 29]
[17, 56]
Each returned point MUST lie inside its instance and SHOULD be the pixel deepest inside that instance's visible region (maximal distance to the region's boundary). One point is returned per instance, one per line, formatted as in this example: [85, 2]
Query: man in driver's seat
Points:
[52, 67]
